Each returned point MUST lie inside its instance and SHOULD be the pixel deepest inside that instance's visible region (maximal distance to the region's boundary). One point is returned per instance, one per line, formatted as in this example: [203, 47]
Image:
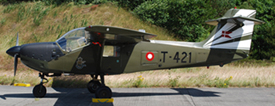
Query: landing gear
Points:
[94, 84]
[39, 90]
[100, 90]
[103, 92]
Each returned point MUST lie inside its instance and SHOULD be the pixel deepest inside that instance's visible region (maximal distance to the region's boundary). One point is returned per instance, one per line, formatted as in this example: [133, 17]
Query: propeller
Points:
[16, 56]
[15, 63]
[15, 52]
[17, 40]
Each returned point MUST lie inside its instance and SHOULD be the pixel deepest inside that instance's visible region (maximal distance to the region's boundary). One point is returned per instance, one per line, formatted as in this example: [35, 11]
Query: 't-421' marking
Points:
[178, 55]
[184, 54]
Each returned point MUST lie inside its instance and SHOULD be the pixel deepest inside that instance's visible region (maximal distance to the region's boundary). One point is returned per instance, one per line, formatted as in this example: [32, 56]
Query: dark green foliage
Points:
[55, 2]
[155, 12]
[5, 2]
[59, 2]
[263, 46]
[130, 4]
[185, 18]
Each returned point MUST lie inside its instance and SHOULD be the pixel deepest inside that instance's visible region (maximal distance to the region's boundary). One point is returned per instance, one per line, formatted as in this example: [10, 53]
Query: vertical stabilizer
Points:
[231, 38]
[233, 31]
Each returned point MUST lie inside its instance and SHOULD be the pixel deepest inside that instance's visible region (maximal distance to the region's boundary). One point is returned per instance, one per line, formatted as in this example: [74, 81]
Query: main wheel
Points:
[39, 91]
[93, 86]
[103, 92]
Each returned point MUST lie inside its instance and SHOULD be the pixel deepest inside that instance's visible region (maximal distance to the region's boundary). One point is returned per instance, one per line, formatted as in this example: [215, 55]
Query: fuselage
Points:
[145, 55]
[112, 50]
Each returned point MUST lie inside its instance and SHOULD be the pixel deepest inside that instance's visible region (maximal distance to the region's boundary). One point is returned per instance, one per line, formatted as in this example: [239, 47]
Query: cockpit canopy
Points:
[112, 36]
[74, 39]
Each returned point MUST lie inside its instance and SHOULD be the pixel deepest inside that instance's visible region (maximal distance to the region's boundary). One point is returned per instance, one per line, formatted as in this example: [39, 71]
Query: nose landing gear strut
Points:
[40, 90]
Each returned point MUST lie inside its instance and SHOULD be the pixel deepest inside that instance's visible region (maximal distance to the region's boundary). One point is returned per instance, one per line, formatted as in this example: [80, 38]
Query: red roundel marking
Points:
[150, 56]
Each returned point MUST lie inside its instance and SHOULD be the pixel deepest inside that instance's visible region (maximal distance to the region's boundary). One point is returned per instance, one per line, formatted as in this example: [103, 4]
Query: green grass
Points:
[227, 76]
[252, 62]
[37, 22]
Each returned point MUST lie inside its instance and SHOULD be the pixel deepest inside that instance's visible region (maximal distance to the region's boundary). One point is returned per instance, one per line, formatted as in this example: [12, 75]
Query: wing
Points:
[114, 35]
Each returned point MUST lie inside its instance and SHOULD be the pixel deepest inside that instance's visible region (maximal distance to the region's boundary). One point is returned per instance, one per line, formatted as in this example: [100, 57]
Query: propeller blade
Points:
[17, 40]
[15, 63]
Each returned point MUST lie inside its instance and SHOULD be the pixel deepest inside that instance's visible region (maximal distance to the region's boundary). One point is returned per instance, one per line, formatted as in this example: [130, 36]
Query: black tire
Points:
[103, 92]
[39, 91]
[93, 86]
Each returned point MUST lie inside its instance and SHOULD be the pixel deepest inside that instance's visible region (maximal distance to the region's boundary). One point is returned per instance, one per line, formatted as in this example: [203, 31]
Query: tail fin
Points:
[233, 31]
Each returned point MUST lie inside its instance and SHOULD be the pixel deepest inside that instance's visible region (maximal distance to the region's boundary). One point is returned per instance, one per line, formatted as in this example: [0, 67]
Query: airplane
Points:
[106, 50]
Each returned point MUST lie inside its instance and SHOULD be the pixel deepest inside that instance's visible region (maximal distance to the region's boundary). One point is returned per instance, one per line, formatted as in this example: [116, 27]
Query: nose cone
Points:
[13, 50]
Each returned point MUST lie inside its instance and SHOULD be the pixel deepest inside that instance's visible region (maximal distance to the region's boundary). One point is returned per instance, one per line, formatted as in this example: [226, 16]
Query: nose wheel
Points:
[40, 90]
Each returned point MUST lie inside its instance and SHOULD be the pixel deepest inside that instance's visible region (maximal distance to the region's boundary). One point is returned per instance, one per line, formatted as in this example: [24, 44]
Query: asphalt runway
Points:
[22, 96]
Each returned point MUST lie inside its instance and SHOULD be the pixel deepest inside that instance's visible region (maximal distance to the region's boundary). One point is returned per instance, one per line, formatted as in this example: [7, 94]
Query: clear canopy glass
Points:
[73, 39]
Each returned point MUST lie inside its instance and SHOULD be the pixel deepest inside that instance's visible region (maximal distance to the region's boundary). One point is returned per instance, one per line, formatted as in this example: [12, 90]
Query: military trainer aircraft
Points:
[106, 50]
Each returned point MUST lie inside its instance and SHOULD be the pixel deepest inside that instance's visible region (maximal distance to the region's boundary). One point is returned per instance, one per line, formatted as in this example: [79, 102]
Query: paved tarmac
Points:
[22, 96]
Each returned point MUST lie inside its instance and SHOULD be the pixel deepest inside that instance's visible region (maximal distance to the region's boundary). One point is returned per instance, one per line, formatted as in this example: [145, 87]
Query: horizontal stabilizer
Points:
[236, 15]
[216, 21]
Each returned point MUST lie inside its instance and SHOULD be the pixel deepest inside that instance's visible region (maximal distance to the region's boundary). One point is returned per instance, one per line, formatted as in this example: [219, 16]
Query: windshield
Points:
[74, 39]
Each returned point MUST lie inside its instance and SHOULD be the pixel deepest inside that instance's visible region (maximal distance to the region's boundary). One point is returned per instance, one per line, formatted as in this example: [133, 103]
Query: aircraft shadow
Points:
[64, 96]
[81, 96]
[180, 91]
[30, 95]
